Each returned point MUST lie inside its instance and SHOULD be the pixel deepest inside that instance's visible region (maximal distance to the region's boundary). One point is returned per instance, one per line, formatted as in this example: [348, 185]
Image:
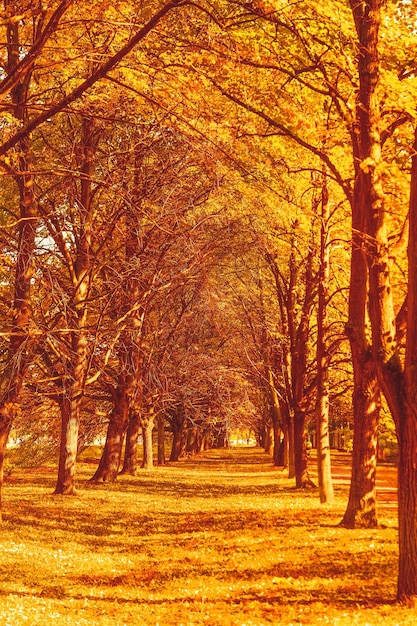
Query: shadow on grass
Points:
[228, 503]
[343, 601]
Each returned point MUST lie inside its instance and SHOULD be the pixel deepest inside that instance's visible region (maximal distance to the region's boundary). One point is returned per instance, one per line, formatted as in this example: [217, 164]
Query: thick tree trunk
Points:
[283, 452]
[281, 456]
[205, 443]
[190, 447]
[68, 448]
[398, 382]
[268, 444]
[131, 462]
[403, 395]
[176, 445]
[108, 468]
[70, 405]
[407, 511]
[361, 510]
[302, 478]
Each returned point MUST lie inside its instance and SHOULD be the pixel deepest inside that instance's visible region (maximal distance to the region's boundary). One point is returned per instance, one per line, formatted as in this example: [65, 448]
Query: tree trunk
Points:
[68, 448]
[302, 478]
[5, 425]
[269, 440]
[366, 147]
[290, 444]
[177, 422]
[147, 430]
[282, 453]
[161, 440]
[276, 417]
[277, 451]
[324, 472]
[407, 510]
[361, 510]
[206, 440]
[108, 468]
[176, 445]
[131, 463]
[191, 444]
[403, 395]
[299, 334]
[81, 285]
[398, 382]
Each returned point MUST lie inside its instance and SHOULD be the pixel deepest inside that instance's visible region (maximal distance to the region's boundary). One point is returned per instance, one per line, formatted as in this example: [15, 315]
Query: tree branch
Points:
[91, 80]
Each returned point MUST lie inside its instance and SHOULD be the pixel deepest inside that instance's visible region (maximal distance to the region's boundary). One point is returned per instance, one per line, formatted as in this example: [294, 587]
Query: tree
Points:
[322, 402]
[20, 61]
[397, 377]
[21, 342]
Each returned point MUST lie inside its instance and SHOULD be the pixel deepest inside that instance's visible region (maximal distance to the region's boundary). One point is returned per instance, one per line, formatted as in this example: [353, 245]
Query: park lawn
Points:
[221, 539]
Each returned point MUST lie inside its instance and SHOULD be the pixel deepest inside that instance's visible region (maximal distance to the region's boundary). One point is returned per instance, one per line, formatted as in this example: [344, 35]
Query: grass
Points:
[222, 539]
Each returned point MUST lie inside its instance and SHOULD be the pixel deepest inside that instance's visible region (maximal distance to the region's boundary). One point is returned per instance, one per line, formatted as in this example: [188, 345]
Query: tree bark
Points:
[177, 422]
[147, 431]
[402, 394]
[407, 509]
[361, 508]
[302, 478]
[130, 462]
[299, 351]
[108, 468]
[276, 417]
[289, 448]
[397, 380]
[268, 443]
[161, 440]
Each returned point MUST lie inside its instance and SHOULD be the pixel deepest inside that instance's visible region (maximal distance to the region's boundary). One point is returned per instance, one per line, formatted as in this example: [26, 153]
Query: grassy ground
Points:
[224, 539]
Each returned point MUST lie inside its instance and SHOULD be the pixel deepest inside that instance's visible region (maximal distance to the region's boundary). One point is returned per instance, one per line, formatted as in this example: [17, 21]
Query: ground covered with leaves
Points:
[221, 539]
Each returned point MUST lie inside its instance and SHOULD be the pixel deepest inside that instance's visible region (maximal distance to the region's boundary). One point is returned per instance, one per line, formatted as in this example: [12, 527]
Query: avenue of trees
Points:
[208, 223]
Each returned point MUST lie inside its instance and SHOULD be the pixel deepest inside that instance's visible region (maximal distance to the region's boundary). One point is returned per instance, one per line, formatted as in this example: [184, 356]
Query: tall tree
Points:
[322, 402]
[20, 348]
[397, 377]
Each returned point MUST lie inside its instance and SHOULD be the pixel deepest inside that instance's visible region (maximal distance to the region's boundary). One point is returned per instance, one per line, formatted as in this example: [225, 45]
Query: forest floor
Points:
[221, 539]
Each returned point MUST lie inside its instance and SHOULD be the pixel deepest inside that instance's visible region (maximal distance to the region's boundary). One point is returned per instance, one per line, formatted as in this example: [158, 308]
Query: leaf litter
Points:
[208, 540]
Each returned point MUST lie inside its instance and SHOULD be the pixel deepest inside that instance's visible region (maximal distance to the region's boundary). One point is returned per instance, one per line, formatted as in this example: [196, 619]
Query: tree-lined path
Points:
[208, 226]
[221, 538]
